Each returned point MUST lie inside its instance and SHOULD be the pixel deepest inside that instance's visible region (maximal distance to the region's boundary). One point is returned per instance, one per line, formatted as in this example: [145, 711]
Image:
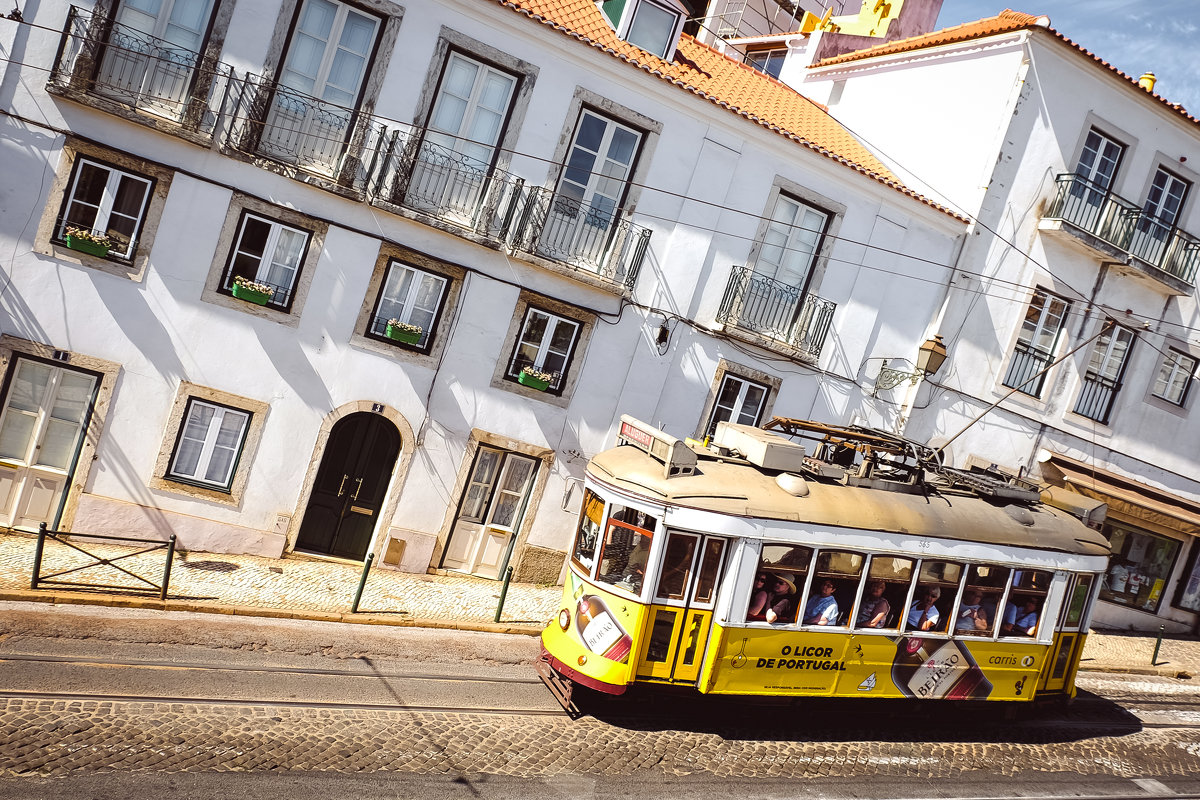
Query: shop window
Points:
[1187, 593]
[781, 574]
[1139, 569]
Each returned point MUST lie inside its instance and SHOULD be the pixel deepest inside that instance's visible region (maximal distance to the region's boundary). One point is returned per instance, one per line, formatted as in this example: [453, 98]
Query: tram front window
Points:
[588, 535]
[781, 570]
[626, 548]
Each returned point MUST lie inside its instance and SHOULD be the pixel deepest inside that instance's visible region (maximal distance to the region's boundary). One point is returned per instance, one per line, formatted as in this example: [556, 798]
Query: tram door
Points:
[681, 612]
[1068, 639]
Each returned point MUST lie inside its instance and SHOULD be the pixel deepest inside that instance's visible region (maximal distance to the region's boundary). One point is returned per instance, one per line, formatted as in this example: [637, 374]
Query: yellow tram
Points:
[827, 561]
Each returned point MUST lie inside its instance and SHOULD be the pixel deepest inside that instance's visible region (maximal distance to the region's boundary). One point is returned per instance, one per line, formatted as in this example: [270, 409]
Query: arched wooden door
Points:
[348, 493]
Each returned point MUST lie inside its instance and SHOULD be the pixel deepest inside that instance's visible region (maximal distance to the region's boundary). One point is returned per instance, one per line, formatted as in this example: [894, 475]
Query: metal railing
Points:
[1027, 361]
[273, 121]
[1096, 398]
[591, 237]
[103, 58]
[1127, 227]
[776, 310]
[91, 560]
[413, 172]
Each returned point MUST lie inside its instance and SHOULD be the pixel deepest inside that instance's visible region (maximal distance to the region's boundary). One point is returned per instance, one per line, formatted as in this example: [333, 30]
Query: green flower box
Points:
[525, 379]
[250, 295]
[85, 246]
[401, 335]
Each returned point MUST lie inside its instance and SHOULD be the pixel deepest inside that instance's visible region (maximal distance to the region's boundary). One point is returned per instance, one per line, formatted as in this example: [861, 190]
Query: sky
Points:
[1157, 36]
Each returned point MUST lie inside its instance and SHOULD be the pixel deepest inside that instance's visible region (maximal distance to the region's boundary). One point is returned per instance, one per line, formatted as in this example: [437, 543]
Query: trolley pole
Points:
[1157, 644]
[508, 573]
[362, 582]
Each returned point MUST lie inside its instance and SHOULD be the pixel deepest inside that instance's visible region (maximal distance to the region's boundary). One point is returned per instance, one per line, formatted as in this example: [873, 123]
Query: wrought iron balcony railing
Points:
[776, 310]
[413, 172]
[273, 121]
[102, 58]
[592, 237]
[1126, 227]
[1096, 398]
[1027, 361]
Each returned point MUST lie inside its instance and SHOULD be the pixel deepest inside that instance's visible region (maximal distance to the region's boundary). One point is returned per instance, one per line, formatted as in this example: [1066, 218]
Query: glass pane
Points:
[710, 567]
[781, 572]
[1079, 599]
[58, 444]
[887, 588]
[626, 548]
[15, 436]
[588, 535]
[977, 612]
[677, 566]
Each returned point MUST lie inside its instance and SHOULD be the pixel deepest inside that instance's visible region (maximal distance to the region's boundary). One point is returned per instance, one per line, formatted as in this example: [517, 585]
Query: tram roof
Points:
[741, 489]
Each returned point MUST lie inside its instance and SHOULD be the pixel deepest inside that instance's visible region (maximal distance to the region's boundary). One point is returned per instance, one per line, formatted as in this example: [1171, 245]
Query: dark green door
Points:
[350, 487]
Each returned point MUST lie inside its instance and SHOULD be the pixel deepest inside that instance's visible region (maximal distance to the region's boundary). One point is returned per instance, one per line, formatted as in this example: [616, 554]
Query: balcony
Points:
[423, 176]
[1024, 368]
[593, 238]
[1121, 230]
[776, 310]
[121, 69]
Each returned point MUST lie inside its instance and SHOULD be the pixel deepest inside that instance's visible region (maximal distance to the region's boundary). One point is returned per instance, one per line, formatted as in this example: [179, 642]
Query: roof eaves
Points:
[797, 138]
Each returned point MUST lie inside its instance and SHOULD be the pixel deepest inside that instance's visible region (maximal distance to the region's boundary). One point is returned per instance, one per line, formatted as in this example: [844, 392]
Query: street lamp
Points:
[930, 358]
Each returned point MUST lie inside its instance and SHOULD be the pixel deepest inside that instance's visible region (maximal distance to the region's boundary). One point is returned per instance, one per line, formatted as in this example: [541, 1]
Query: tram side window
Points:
[834, 587]
[888, 579]
[1024, 609]
[588, 535]
[626, 548]
[976, 614]
[781, 571]
[934, 598]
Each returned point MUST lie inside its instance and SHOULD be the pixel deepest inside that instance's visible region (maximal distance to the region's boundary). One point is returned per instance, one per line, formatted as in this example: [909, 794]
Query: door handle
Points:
[342, 485]
[357, 489]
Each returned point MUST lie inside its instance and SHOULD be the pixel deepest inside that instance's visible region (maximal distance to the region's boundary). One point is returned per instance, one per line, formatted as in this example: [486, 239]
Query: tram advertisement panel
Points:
[594, 631]
[788, 662]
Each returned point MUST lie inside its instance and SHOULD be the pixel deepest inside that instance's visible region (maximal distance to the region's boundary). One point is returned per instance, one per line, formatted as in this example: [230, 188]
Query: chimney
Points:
[1147, 81]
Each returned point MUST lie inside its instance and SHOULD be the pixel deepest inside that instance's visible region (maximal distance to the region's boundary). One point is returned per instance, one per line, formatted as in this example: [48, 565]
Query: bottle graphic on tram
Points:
[598, 627]
[933, 669]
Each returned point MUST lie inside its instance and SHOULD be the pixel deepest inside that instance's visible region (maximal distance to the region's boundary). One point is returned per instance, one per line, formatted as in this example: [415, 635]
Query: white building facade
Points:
[349, 277]
[1073, 304]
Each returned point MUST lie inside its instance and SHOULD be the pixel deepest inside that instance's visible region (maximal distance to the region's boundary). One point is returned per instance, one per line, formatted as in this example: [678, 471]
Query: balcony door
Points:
[583, 212]
[312, 108]
[789, 246]
[152, 53]
[1156, 224]
[1094, 174]
[493, 506]
[459, 146]
[46, 409]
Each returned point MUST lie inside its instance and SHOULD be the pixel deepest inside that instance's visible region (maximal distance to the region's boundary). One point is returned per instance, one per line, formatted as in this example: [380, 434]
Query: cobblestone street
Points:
[40, 737]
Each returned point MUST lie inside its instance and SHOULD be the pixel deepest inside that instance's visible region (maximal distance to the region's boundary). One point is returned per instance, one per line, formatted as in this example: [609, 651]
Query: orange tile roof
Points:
[725, 82]
[1006, 21]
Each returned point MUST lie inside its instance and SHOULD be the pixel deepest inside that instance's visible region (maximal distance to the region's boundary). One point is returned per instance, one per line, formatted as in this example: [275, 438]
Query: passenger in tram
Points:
[781, 609]
[972, 618]
[822, 607]
[760, 595]
[923, 614]
[875, 607]
[1021, 619]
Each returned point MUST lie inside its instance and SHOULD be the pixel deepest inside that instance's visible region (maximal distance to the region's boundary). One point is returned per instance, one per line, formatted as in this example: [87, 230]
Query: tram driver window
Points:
[781, 570]
[626, 548]
[976, 614]
[834, 587]
[588, 535]
[1023, 611]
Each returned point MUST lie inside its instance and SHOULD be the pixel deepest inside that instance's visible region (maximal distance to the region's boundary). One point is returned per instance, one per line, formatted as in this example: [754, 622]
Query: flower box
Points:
[86, 246]
[250, 295]
[400, 335]
[525, 379]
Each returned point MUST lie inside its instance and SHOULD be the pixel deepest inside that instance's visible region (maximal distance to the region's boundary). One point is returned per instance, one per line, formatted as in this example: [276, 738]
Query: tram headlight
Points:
[582, 660]
[564, 619]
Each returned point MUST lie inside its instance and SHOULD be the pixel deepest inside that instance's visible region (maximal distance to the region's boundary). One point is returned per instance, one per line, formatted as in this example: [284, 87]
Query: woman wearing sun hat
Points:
[780, 609]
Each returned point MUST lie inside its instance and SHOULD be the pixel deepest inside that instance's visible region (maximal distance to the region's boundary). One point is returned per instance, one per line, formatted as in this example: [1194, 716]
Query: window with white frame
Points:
[1105, 368]
[738, 400]
[209, 444]
[545, 344]
[103, 201]
[653, 27]
[1174, 376]
[791, 241]
[1036, 343]
[768, 62]
[267, 253]
[411, 301]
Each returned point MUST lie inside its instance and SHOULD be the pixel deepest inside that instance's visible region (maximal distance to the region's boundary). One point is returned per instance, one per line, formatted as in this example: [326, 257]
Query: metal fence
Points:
[1027, 361]
[1096, 398]
[80, 559]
